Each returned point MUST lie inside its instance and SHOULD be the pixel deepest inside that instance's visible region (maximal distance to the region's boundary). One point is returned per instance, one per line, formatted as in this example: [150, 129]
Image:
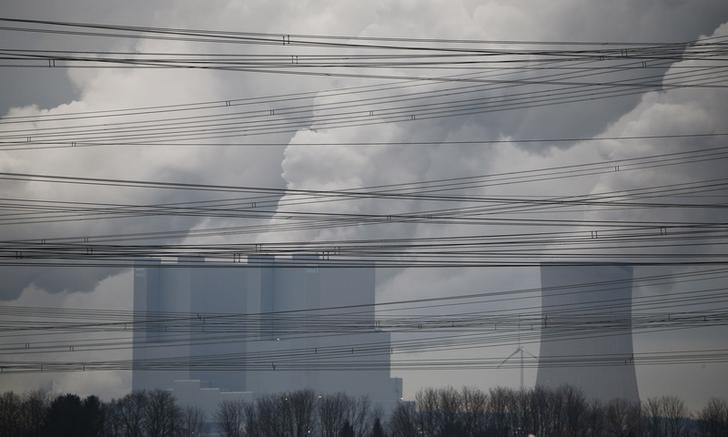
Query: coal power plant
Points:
[594, 301]
[228, 332]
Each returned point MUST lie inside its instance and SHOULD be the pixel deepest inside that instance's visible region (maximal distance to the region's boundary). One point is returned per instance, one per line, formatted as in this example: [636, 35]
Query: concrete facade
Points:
[275, 302]
[586, 312]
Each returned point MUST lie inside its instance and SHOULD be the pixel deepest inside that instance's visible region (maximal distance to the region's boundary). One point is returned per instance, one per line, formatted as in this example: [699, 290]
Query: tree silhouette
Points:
[94, 413]
[10, 414]
[230, 418]
[192, 422]
[332, 412]
[446, 412]
[161, 414]
[65, 416]
[403, 422]
[69, 415]
[377, 429]
[713, 419]
[347, 430]
[33, 413]
[130, 412]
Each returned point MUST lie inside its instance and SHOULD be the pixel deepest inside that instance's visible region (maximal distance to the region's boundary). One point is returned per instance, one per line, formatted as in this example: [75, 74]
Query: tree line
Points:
[563, 412]
[447, 412]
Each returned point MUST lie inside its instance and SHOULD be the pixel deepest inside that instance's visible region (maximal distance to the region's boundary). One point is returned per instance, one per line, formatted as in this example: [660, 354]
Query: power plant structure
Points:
[587, 315]
[213, 331]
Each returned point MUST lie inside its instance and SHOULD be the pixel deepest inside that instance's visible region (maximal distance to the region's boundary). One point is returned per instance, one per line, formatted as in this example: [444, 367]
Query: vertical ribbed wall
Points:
[285, 301]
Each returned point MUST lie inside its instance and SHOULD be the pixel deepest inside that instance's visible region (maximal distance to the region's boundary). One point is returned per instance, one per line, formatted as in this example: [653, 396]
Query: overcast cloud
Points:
[58, 92]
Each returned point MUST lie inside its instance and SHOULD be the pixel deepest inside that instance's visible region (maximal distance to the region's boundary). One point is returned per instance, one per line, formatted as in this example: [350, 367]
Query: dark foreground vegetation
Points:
[435, 413]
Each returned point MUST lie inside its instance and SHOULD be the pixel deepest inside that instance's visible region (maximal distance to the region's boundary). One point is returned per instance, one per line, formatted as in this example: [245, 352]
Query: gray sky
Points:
[60, 91]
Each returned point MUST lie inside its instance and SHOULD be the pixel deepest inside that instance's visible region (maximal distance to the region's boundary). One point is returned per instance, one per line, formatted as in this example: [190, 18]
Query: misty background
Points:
[59, 91]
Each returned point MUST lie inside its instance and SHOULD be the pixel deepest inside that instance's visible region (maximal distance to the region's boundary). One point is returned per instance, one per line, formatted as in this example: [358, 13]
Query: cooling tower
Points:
[586, 336]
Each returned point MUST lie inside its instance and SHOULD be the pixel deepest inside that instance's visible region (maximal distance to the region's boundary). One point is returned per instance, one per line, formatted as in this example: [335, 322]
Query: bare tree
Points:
[161, 414]
[404, 422]
[446, 412]
[498, 404]
[573, 411]
[652, 413]
[543, 411]
[713, 419]
[623, 418]
[131, 414]
[301, 405]
[428, 412]
[594, 421]
[675, 416]
[359, 416]
[266, 416]
[251, 420]
[519, 412]
[33, 412]
[347, 430]
[450, 406]
[11, 414]
[192, 421]
[113, 423]
[284, 425]
[474, 411]
[377, 428]
[273, 416]
[332, 413]
[664, 417]
[231, 418]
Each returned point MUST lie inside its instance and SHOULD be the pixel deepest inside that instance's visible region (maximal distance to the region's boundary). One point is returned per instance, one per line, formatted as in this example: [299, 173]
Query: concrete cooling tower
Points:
[586, 336]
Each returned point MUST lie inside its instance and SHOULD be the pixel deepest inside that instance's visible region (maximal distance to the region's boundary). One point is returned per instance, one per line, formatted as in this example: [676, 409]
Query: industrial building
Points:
[261, 329]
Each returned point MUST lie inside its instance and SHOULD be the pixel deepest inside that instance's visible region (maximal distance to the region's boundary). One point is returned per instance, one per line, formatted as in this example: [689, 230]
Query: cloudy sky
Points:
[30, 92]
